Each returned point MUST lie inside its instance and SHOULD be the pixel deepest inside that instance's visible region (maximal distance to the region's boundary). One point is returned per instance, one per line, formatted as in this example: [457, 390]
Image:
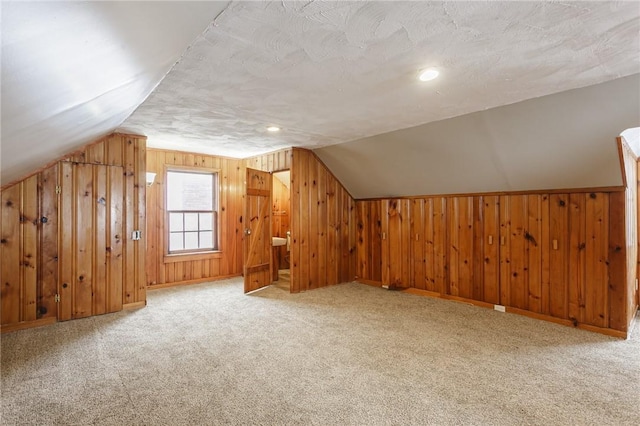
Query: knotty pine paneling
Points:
[128, 152]
[369, 241]
[558, 256]
[523, 245]
[323, 217]
[32, 246]
[163, 270]
[396, 243]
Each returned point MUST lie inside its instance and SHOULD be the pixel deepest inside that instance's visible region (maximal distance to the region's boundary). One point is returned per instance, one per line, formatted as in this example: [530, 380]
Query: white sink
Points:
[278, 241]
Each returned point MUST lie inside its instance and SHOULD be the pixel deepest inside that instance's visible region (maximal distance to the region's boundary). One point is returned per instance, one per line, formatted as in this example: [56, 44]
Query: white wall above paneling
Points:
[561, 141]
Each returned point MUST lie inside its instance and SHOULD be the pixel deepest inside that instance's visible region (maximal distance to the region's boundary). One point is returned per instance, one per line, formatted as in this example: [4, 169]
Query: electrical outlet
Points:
[499, 308]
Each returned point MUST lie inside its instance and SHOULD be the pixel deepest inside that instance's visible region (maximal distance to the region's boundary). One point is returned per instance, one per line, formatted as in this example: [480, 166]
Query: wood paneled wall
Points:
[558, 256]
[163, 270]
[32, 246]
[322, 220]
[29, 249]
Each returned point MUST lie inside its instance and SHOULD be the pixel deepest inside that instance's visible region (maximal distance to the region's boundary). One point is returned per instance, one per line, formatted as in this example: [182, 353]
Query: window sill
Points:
[188, 257]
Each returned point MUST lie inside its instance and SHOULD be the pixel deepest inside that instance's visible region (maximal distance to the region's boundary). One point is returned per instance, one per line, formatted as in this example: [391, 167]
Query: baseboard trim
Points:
[28, 324]
[535, 315]
[369, 282]
[190, 282]
[134, 305]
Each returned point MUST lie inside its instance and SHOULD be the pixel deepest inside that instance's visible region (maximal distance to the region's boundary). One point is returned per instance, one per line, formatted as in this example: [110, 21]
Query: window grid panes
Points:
[191, 205]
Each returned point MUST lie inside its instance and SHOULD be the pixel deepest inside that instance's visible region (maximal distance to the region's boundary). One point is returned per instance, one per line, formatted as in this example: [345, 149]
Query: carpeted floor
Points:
[345, 355]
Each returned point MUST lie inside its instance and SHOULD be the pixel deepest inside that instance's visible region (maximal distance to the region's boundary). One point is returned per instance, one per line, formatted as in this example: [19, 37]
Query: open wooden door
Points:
[91, 240]
[257, 233]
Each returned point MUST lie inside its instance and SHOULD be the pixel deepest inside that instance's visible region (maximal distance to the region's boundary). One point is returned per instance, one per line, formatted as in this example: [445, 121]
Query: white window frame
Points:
[169, 254]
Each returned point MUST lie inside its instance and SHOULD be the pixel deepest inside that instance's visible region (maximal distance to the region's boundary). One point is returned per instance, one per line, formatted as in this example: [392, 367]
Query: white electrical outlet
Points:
[499, 308]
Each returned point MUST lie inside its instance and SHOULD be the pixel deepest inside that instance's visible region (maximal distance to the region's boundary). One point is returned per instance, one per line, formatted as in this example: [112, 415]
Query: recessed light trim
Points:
[429, 74]
[273, 129]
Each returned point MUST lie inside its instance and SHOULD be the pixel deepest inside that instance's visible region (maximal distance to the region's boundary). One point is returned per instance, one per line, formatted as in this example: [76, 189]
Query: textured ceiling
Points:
[331, 72]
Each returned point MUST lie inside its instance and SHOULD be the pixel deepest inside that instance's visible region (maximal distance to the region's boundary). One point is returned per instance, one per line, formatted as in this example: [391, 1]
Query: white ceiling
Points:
[332, 72]
[326, 72]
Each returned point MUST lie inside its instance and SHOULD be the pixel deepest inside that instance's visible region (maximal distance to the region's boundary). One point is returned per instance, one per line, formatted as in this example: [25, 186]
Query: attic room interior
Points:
[319, 212]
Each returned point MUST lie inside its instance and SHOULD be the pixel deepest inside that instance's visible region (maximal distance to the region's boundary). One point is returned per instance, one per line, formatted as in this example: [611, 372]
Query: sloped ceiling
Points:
[561, 141]
[74, 71]
[326, 72]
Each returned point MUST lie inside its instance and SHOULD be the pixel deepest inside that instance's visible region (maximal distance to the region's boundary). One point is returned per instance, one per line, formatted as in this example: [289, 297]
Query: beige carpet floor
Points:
[345, 355]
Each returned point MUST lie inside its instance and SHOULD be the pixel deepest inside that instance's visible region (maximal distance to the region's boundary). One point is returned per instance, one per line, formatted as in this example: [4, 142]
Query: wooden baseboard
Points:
[189, 282]
[369, 282]
[28, 324]
[535, 315]
[568, 323]
[134, 305]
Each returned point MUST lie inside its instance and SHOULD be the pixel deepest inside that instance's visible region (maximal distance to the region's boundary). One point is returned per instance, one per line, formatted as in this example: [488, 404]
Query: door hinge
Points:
[58, 189]
[57, 298]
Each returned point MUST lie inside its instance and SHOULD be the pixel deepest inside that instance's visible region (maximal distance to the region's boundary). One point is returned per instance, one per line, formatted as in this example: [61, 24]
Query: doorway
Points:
[281, 229]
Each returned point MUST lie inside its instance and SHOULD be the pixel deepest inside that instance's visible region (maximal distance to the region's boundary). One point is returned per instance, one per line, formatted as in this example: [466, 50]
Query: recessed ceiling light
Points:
[273, 129]
[429, 74]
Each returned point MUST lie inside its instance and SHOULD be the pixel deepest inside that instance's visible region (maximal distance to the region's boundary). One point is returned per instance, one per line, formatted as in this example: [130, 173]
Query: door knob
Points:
[247, 231]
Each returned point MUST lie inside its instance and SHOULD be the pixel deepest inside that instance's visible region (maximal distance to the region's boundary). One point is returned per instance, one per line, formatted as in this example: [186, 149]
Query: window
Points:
[192, 211]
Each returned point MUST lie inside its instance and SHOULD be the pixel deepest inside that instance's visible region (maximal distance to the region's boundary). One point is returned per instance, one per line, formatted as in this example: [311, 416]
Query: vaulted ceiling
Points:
[335, 76]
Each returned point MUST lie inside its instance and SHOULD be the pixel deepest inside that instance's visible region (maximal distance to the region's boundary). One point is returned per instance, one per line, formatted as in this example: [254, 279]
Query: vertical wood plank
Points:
[128, 265]
[478, 242]
[140, 194]
[491, 249]
[95, 152]
[375, 238]
[100, 203]
[453, 234]
[323, 227]
[544, 254]
[418, 279]
[10, 255]
[303, 263]
[85, 230]
[314, 226]
[333, 219]
[505, 252]
[596, 256]
[362, 225]
[559, 237]
[577, 257]
[115, 249]
[48, 271]
[29, 252]
[617, 291]
[115, 151]
[534, 240]
[465, 248]
[440, 244]
[66, 257]
[429, 246]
